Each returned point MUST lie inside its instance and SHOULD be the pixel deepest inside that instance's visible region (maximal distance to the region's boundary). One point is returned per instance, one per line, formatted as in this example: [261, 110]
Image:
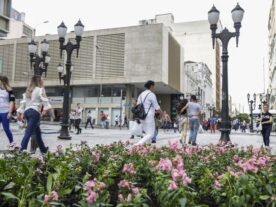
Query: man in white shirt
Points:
[78, 118]
[151, 106]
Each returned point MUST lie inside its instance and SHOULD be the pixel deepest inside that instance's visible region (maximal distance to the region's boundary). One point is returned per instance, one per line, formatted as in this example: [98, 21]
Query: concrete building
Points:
[195, 38]
[112, 67]
[272, 53]
[18, 27]
[5, 9]
[197, 80]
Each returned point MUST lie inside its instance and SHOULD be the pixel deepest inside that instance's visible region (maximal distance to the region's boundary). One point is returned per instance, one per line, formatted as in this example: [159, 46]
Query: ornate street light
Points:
[225, 36]
[66, 77]
[39, 63]
[252, 106]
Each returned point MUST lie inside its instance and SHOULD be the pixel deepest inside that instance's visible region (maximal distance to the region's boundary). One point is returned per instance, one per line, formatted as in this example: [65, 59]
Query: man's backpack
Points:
[139, 110]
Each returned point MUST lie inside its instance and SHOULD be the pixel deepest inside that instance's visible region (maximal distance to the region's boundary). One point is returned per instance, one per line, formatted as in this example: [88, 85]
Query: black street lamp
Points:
[69, 48]
[39, 63]
[225, 36]
[252, 106]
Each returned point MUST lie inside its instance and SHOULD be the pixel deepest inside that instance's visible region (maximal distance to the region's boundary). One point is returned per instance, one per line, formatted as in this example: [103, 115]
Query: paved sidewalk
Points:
[103, 136]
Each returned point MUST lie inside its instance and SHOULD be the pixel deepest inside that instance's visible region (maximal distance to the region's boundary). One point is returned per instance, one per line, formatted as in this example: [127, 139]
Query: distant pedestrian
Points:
[267, 121]
[183, 120]
[103, 119]
[107, 122]
[31, 104]
[243, 126]
[213, 124]
[166, 121]
[149, 101]
[194, 111]
[72, 116]
[89, 119]
[78, 118]
[7, 100]
[116, 121]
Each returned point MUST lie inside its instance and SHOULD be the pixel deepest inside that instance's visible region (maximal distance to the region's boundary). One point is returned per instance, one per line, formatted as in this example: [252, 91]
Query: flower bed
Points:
[143, 176]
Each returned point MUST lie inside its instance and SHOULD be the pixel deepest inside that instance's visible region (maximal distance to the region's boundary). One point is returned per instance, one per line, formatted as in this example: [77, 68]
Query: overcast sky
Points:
[245, 62]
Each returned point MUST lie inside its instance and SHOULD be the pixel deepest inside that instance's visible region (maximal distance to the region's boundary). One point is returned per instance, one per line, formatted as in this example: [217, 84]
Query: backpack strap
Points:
[150, 103]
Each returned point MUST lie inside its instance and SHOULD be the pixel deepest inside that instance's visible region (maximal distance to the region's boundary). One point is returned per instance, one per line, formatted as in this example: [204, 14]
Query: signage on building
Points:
[56, 100]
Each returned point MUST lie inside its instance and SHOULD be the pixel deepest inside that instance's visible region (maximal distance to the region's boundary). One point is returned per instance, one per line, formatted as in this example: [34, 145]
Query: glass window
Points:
[93, 91]
[2, 6]
[106, 91]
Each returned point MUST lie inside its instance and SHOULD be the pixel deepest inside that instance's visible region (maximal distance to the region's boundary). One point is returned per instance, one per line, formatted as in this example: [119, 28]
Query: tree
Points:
[242, 117]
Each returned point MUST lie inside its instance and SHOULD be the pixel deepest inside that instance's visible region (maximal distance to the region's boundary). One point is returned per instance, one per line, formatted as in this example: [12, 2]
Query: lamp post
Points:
[69, 48]
[225, 36]
[252, 106]
[39, 63]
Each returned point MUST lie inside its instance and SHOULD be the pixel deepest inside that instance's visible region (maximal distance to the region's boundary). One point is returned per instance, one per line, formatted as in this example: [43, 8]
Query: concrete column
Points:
[13, 61]
[130, 93]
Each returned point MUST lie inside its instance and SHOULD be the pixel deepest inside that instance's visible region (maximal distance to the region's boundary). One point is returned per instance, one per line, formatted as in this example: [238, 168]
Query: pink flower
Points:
[121, 198]
[221, 150]
[217, 185]
[124, 184]
[102, 186]
[96, 157]
[172, 185]
[236, 158]
[186, 180]
[92, 197]
[129, 198]
[175, 175]
[164, 165]
[54, 196]
[135, 191]
[89, 185]
[173, 146]
[46, 199]
[129, 169]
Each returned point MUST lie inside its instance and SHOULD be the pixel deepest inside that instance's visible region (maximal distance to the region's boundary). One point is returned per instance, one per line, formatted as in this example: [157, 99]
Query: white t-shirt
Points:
[149, 101]
[4, 101]
[194, 110]
[79, 113]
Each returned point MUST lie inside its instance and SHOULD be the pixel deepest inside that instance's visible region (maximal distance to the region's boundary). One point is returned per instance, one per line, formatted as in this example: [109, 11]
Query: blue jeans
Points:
[6, 125]
[155, 135]
[194, 126]
[33, 122]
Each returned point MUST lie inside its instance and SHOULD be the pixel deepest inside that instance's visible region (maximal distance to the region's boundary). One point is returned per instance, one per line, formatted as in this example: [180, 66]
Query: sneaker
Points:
[153, 141]
[13, 146]
[194, 144]
[132, 137]
[190, 142]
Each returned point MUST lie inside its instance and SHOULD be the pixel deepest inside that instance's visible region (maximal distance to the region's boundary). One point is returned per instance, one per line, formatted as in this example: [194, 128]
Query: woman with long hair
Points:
[7, 100]
[183, 120]
[33, 100]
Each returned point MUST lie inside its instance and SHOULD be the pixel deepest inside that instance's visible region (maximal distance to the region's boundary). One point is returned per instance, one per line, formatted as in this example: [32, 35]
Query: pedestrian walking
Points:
[267, 121]
[103, 119]
[30, 106]
[166, 121]
[89, 119]
[183, 120]
[72, 116]
[149, 102]
[7, 100]
[116, 121]
[78, 118]
[158, 124]
[243, 126]
[194, 111]
[213, 124]
[107, 122]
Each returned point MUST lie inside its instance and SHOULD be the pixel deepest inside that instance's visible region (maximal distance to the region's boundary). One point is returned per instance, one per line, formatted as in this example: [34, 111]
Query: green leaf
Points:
[49, 183]
[9, 186]
[264, 197]
[269, 188]
[182, 202]
[10, 196]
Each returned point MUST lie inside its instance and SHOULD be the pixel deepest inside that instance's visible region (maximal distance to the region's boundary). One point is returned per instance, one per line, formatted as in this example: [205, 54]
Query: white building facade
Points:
[197, 81]
[272, 54]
